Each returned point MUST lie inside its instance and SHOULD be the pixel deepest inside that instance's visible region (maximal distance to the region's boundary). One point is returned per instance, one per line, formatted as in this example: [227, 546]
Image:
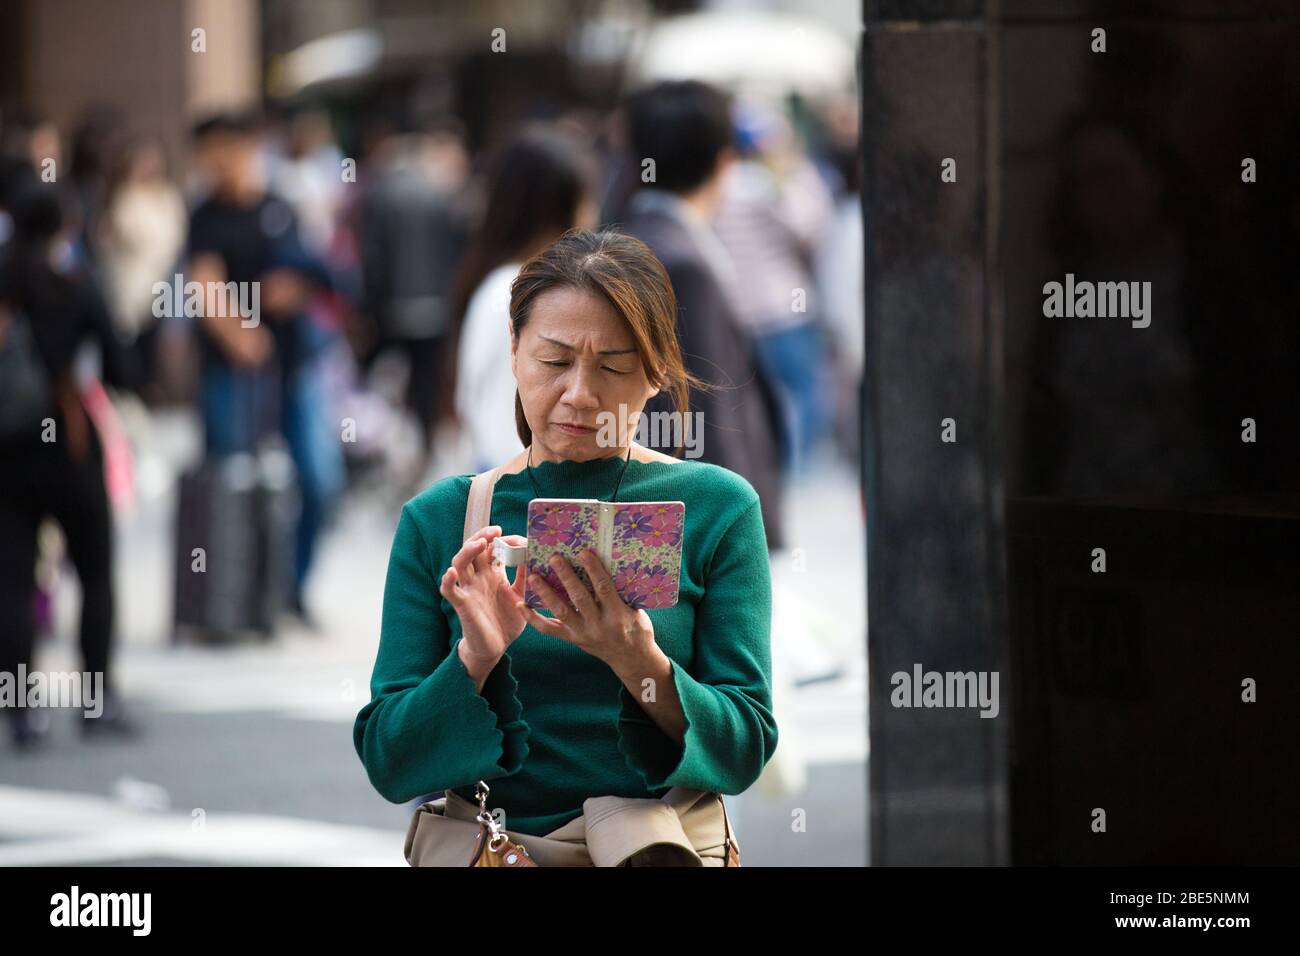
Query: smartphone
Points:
[640, 543]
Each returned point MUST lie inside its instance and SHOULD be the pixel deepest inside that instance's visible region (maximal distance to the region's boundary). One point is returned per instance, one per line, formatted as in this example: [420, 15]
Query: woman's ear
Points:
[514, 347]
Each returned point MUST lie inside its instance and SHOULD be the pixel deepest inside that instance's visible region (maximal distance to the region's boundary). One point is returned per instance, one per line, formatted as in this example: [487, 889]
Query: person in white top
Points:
[140, 237]
[542, 185]
[485, 385]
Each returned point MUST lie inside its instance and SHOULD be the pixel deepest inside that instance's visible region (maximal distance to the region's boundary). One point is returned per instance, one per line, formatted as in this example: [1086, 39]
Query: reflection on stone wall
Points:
[1147, 172]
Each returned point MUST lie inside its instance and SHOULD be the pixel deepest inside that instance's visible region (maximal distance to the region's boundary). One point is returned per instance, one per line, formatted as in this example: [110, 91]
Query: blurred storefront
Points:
[143, 57]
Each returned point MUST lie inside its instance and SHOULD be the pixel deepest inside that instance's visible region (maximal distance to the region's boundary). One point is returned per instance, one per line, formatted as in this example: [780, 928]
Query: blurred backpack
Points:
[25, 392]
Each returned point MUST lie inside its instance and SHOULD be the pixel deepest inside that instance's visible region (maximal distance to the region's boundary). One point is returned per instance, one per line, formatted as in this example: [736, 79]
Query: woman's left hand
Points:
[599, 622]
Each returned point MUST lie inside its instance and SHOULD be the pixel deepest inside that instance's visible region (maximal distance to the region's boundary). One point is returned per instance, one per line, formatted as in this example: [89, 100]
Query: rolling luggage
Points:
[236, 527]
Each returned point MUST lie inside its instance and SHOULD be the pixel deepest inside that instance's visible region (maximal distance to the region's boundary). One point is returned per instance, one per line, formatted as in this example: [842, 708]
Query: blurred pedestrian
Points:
[542, 185]
[259, 378]
[51, 458]
[774, 209]
[141, 235]
[95, 145]
[27, 142]
[685, 129]
[839, 265]
[413, 234]
[310, 178]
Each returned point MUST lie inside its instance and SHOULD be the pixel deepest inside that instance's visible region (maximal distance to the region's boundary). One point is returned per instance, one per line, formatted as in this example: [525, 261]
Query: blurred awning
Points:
[339, 56]
[755, 52]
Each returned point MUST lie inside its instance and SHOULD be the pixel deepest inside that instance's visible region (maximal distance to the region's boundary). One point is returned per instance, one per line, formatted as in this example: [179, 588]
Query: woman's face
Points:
[574, 360]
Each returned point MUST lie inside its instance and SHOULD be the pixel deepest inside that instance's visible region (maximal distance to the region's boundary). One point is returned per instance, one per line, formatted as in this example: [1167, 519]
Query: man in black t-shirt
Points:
[246, 238]
[256, 349]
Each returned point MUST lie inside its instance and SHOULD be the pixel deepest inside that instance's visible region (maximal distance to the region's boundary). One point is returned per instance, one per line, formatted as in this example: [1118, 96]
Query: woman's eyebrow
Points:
[565, 345]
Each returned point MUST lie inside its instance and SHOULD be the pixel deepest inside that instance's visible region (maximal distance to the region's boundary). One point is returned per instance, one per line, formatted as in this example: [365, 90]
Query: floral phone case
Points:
[639, 541]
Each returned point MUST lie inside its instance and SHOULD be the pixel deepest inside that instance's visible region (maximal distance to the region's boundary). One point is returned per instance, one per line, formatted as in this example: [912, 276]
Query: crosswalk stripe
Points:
[51, 827]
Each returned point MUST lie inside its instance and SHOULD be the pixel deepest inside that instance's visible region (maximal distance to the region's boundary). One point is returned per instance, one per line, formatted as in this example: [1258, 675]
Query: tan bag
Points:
[685, 827]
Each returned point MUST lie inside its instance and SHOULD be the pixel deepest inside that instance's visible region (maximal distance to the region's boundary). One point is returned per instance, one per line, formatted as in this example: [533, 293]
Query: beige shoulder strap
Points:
[478, 508]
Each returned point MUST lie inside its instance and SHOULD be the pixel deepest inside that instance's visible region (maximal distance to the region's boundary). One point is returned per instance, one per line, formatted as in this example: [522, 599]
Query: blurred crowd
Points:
[378, 274]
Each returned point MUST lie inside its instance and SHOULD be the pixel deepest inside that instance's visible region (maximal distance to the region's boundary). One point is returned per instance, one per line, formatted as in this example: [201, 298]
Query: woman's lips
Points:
[574, 429]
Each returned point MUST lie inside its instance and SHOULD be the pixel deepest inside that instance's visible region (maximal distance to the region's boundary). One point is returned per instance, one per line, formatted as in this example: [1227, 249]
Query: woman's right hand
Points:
[484, 600]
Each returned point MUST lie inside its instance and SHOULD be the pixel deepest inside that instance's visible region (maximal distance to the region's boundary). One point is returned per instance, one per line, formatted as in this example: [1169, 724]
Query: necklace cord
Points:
[613, 497]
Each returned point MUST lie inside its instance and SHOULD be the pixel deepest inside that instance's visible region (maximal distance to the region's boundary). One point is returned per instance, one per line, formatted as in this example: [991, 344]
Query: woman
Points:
[543, 185]
[52, 463]
[471, 684]
[141, 234]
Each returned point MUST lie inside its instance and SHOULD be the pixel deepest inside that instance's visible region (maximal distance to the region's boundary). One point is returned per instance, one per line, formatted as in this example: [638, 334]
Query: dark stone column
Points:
[1120, 689]
[932, 393]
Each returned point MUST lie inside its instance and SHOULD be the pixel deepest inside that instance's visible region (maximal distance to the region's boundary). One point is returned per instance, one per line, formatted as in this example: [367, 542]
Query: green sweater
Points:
[554, 725]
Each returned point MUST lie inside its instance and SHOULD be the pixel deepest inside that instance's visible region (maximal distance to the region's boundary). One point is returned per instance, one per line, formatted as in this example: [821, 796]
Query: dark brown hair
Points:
[622, 270]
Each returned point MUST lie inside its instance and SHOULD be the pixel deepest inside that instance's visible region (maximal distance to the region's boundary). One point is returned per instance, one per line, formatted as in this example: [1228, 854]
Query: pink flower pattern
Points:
[646, 547]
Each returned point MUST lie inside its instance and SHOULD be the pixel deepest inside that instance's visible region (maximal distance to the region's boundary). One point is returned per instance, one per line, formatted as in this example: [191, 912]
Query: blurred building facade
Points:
[60, 58]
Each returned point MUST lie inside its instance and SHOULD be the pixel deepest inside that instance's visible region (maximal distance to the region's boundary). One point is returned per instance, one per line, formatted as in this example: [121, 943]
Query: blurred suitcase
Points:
[235, 544]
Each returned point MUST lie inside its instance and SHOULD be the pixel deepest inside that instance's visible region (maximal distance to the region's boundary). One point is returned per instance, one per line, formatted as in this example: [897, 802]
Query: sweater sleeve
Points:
[426, 727]
[727, 694]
